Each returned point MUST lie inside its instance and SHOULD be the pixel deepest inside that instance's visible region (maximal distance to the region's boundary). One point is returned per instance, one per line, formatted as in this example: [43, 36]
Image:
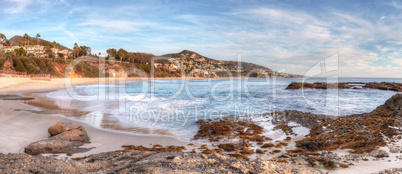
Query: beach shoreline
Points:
[20, 127]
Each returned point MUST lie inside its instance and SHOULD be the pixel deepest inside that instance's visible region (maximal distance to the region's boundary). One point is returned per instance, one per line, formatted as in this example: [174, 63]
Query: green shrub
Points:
[18, 65]
[61, 61]
[32, 68]
[50, 67]
[42, 66]
[144, 67]
[87, 70]
[30, 65]
[2, 60]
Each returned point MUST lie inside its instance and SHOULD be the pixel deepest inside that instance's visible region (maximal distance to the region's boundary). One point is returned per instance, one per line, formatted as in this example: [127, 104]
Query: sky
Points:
[290, 36]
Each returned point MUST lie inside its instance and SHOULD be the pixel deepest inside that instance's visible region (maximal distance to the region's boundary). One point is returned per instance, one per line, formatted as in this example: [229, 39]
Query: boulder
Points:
[394, 104]
[62, 127]
[78, 134]
[395, 149]
[52, 146]
[379, 154]
[65, 138]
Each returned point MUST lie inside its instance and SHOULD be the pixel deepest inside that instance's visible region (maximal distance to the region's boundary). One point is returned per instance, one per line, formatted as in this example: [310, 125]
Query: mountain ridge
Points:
[233, 64]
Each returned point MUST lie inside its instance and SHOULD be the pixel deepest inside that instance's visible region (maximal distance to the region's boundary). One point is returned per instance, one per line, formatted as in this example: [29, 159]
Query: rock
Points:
[395, 149]
[78, 134]
[66, 138]
[379, 154]
[221, 158]
[62, 127]
[52, 146]
[394, 104]
[236, 165]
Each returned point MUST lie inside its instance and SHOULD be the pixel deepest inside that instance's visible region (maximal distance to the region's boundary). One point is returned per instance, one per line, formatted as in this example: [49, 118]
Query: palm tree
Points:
[37, 38]
[75, 49]
[2, 38]
[26, 37]
[57, 46]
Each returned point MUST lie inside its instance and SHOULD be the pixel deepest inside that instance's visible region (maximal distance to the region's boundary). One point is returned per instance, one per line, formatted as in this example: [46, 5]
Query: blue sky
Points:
[288, 35]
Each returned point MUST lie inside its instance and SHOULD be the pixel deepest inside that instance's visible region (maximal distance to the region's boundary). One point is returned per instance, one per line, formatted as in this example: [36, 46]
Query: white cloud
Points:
[396, 5]
[398, 61]
[17, 6]
[115, 25]
[382, 49]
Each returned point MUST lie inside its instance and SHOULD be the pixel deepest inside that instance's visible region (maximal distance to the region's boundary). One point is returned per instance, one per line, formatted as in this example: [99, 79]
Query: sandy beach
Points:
[20, 128]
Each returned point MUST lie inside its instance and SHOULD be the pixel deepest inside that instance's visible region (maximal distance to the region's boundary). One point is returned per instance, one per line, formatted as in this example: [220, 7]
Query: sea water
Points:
[175, 105]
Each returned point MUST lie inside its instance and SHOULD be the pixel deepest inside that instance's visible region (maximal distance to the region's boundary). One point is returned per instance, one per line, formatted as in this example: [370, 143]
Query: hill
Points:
[217, 68]
[16, 40]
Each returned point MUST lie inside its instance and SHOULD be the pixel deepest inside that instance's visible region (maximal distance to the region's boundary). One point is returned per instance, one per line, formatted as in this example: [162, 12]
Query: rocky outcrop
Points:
[52, 146]
[62, 127]
[355, 85]
[394, 104]
[318, 85]
[359, 132]
[78, 134]
[134, 161]
[385, 86]
[65, 138]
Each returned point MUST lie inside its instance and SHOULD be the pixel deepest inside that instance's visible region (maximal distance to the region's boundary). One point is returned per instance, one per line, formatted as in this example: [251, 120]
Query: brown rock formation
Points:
[78, 134]
[62, 127]
[52, 146]
[65, 138]
[324, 85]
[134, 161]
[360, 132]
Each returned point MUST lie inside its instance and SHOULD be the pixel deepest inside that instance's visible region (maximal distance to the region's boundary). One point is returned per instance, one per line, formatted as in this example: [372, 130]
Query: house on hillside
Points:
[61, 52]
[66, 53]
[8, 49]
[37, 50]
[158, 65]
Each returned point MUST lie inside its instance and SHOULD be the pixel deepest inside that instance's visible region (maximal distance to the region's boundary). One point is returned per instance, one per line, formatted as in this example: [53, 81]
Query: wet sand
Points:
[21, 123]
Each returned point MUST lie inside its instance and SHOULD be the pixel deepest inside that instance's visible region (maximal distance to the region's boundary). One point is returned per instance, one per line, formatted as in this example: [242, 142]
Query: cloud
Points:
[121, 26]
[17, 6]
[277, 36]
[398, 61]
[396, 5]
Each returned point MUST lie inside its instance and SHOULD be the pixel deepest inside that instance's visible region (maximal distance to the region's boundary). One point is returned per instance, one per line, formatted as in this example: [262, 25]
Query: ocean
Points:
[171, 107]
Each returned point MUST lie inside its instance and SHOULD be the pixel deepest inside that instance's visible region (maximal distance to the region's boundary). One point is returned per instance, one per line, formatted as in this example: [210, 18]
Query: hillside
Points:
[86, 68]
[185, 63]
[209, 67]
[15, 41]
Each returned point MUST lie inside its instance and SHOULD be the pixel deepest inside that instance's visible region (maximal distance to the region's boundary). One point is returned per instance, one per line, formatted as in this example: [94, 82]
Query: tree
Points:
[37, 38]
[84, 50]
[26, 37]
[49, 52]
[20, 52]
[75, 50]
[123, 54]
[3, 38]
[111, 52]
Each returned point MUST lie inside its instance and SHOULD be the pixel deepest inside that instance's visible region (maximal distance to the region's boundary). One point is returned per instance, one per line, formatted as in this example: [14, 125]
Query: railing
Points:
[25, 74]
[11, 72]
[41, 77]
